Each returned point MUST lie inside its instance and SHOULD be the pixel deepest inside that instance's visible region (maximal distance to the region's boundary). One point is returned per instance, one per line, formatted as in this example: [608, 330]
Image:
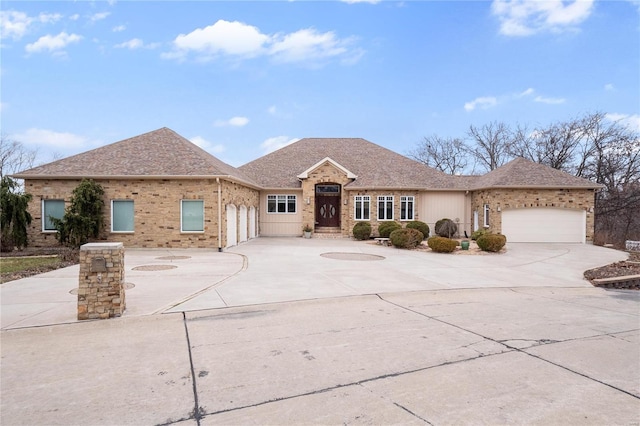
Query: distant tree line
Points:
[592, 147]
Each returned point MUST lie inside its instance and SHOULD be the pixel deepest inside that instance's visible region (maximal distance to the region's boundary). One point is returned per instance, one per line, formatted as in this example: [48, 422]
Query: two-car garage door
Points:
[544, 225]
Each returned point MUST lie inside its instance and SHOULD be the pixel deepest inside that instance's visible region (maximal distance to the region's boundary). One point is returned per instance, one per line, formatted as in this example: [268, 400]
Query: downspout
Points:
[219, 214]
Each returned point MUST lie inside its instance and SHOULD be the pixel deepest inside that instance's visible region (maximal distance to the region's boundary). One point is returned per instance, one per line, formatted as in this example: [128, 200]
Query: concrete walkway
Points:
[273, 333]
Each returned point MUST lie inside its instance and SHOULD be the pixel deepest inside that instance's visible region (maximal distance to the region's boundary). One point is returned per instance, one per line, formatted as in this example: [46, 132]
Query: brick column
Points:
[101, 286]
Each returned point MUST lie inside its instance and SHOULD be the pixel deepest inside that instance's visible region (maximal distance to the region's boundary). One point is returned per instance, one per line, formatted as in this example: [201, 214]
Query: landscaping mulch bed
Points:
[627, 267]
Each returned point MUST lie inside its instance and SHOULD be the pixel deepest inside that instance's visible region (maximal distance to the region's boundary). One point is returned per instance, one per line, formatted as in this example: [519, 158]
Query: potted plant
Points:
[307, 231]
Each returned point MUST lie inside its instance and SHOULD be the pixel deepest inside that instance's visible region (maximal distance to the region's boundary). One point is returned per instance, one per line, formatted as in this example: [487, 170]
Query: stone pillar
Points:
[101, 286]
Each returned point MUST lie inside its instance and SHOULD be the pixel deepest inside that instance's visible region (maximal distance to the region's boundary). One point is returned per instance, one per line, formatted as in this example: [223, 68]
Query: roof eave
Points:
[138, 177]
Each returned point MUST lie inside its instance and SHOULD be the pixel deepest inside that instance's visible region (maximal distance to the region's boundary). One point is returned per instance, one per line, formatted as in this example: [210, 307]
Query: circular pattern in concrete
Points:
[351, 256]
[154, 267]
[127, 286]
[173, 257]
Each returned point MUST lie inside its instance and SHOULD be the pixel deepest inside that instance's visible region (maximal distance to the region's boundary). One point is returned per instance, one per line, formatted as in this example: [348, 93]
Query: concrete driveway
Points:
[302, 336]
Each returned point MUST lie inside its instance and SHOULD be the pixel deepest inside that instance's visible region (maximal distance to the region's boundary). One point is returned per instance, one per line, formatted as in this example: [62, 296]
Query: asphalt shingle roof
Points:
[374, 165]
[164, 153]
[161, 152]
[523, 173]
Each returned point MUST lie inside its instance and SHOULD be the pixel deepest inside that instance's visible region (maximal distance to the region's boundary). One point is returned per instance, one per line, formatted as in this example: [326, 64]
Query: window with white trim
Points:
[281, 203]
[385, 207]
[486, 215]
[407, 204]
[362, 204]
[51, 209]
[122, 216]
[192, 216]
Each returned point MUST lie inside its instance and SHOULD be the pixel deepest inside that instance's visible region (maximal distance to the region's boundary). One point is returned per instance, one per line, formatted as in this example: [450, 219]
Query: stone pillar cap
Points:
[101, 246]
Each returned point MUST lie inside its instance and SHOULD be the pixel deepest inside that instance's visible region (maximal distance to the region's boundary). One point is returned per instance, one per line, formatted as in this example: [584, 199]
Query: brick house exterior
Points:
[158, 181]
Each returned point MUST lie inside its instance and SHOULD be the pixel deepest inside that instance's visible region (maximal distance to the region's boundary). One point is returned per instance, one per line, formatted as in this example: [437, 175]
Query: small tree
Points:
[14, 217]
[83, 219]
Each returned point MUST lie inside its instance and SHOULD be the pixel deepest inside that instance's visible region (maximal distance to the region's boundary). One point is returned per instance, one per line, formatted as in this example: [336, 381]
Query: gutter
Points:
[140, 177]
[219, 214]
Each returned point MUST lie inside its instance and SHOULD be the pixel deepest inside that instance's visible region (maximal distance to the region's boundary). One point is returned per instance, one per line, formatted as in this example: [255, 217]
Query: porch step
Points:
[327, 232]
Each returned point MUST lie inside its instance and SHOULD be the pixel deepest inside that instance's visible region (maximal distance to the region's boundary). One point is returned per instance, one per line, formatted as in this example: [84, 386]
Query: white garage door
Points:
[232, 226]
[544, 225]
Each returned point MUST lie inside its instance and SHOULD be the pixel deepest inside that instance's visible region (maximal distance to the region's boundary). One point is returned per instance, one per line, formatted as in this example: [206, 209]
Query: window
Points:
[281, 203]
[362, 204]
[385, 207]
[192, 216]
[51, 208]
[406, 208]
[486, 215]
[121, 215]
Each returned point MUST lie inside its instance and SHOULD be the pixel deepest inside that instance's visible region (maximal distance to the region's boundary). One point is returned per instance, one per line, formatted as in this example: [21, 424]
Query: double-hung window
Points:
[122, 216]
[281, 203]
[486, 215]
[192, 216]
[385, 207]
[51, 209]
[406, 207]
[362, 205]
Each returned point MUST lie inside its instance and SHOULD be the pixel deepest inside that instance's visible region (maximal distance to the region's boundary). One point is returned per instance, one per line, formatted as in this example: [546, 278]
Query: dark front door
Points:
[328, 205]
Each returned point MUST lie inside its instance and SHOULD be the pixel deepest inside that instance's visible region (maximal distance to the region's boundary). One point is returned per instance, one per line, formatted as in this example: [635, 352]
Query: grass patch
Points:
[12, 265]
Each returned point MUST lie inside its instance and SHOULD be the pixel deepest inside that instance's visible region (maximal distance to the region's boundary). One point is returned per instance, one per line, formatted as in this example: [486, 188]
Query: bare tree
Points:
[493, 144]
[14, 156]
[445, 154]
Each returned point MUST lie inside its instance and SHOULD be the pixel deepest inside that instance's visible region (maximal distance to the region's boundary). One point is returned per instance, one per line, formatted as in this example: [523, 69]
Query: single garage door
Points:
[544, 225]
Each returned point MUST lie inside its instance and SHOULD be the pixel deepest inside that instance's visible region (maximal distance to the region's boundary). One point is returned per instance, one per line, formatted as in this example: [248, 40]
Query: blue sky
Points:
[243, 78]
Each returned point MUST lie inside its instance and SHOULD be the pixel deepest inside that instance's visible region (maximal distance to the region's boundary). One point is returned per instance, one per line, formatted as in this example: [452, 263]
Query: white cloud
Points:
[527, 92]
[528, 17]
[609, 87]
[132, 44]
[99, 16]
[16, 24]
[361, 1]
[53, 43]
[223, 37]
[207, 146]
[74, 17]
[307, 44]
[481, 102]
[550, 101]
[119, 28]
[58, 140]
[237, 40]
[630, 120]
[233, 121]
[275, 143]
[272, 110]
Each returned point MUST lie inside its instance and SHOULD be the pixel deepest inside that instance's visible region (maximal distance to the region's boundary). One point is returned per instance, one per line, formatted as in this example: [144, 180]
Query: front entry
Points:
[328, 205]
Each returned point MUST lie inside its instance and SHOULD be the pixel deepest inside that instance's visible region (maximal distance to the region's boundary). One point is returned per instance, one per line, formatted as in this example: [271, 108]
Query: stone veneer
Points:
[156, 209]
[578, 199]
[101, 281]
[329, 174]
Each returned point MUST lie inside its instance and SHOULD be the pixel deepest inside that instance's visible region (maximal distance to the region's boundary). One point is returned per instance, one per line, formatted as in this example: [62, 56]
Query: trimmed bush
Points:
[406, 238]
[386, 228]
[477, 234]
[446, 228]
[420, 226]
[362, 231]
[441, 244]
[491, 242]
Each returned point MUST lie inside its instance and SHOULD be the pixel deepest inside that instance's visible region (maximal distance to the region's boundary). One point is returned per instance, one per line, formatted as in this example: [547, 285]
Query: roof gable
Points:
[373, 165]
[305, 174]
[523, 173]
[159, 153]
